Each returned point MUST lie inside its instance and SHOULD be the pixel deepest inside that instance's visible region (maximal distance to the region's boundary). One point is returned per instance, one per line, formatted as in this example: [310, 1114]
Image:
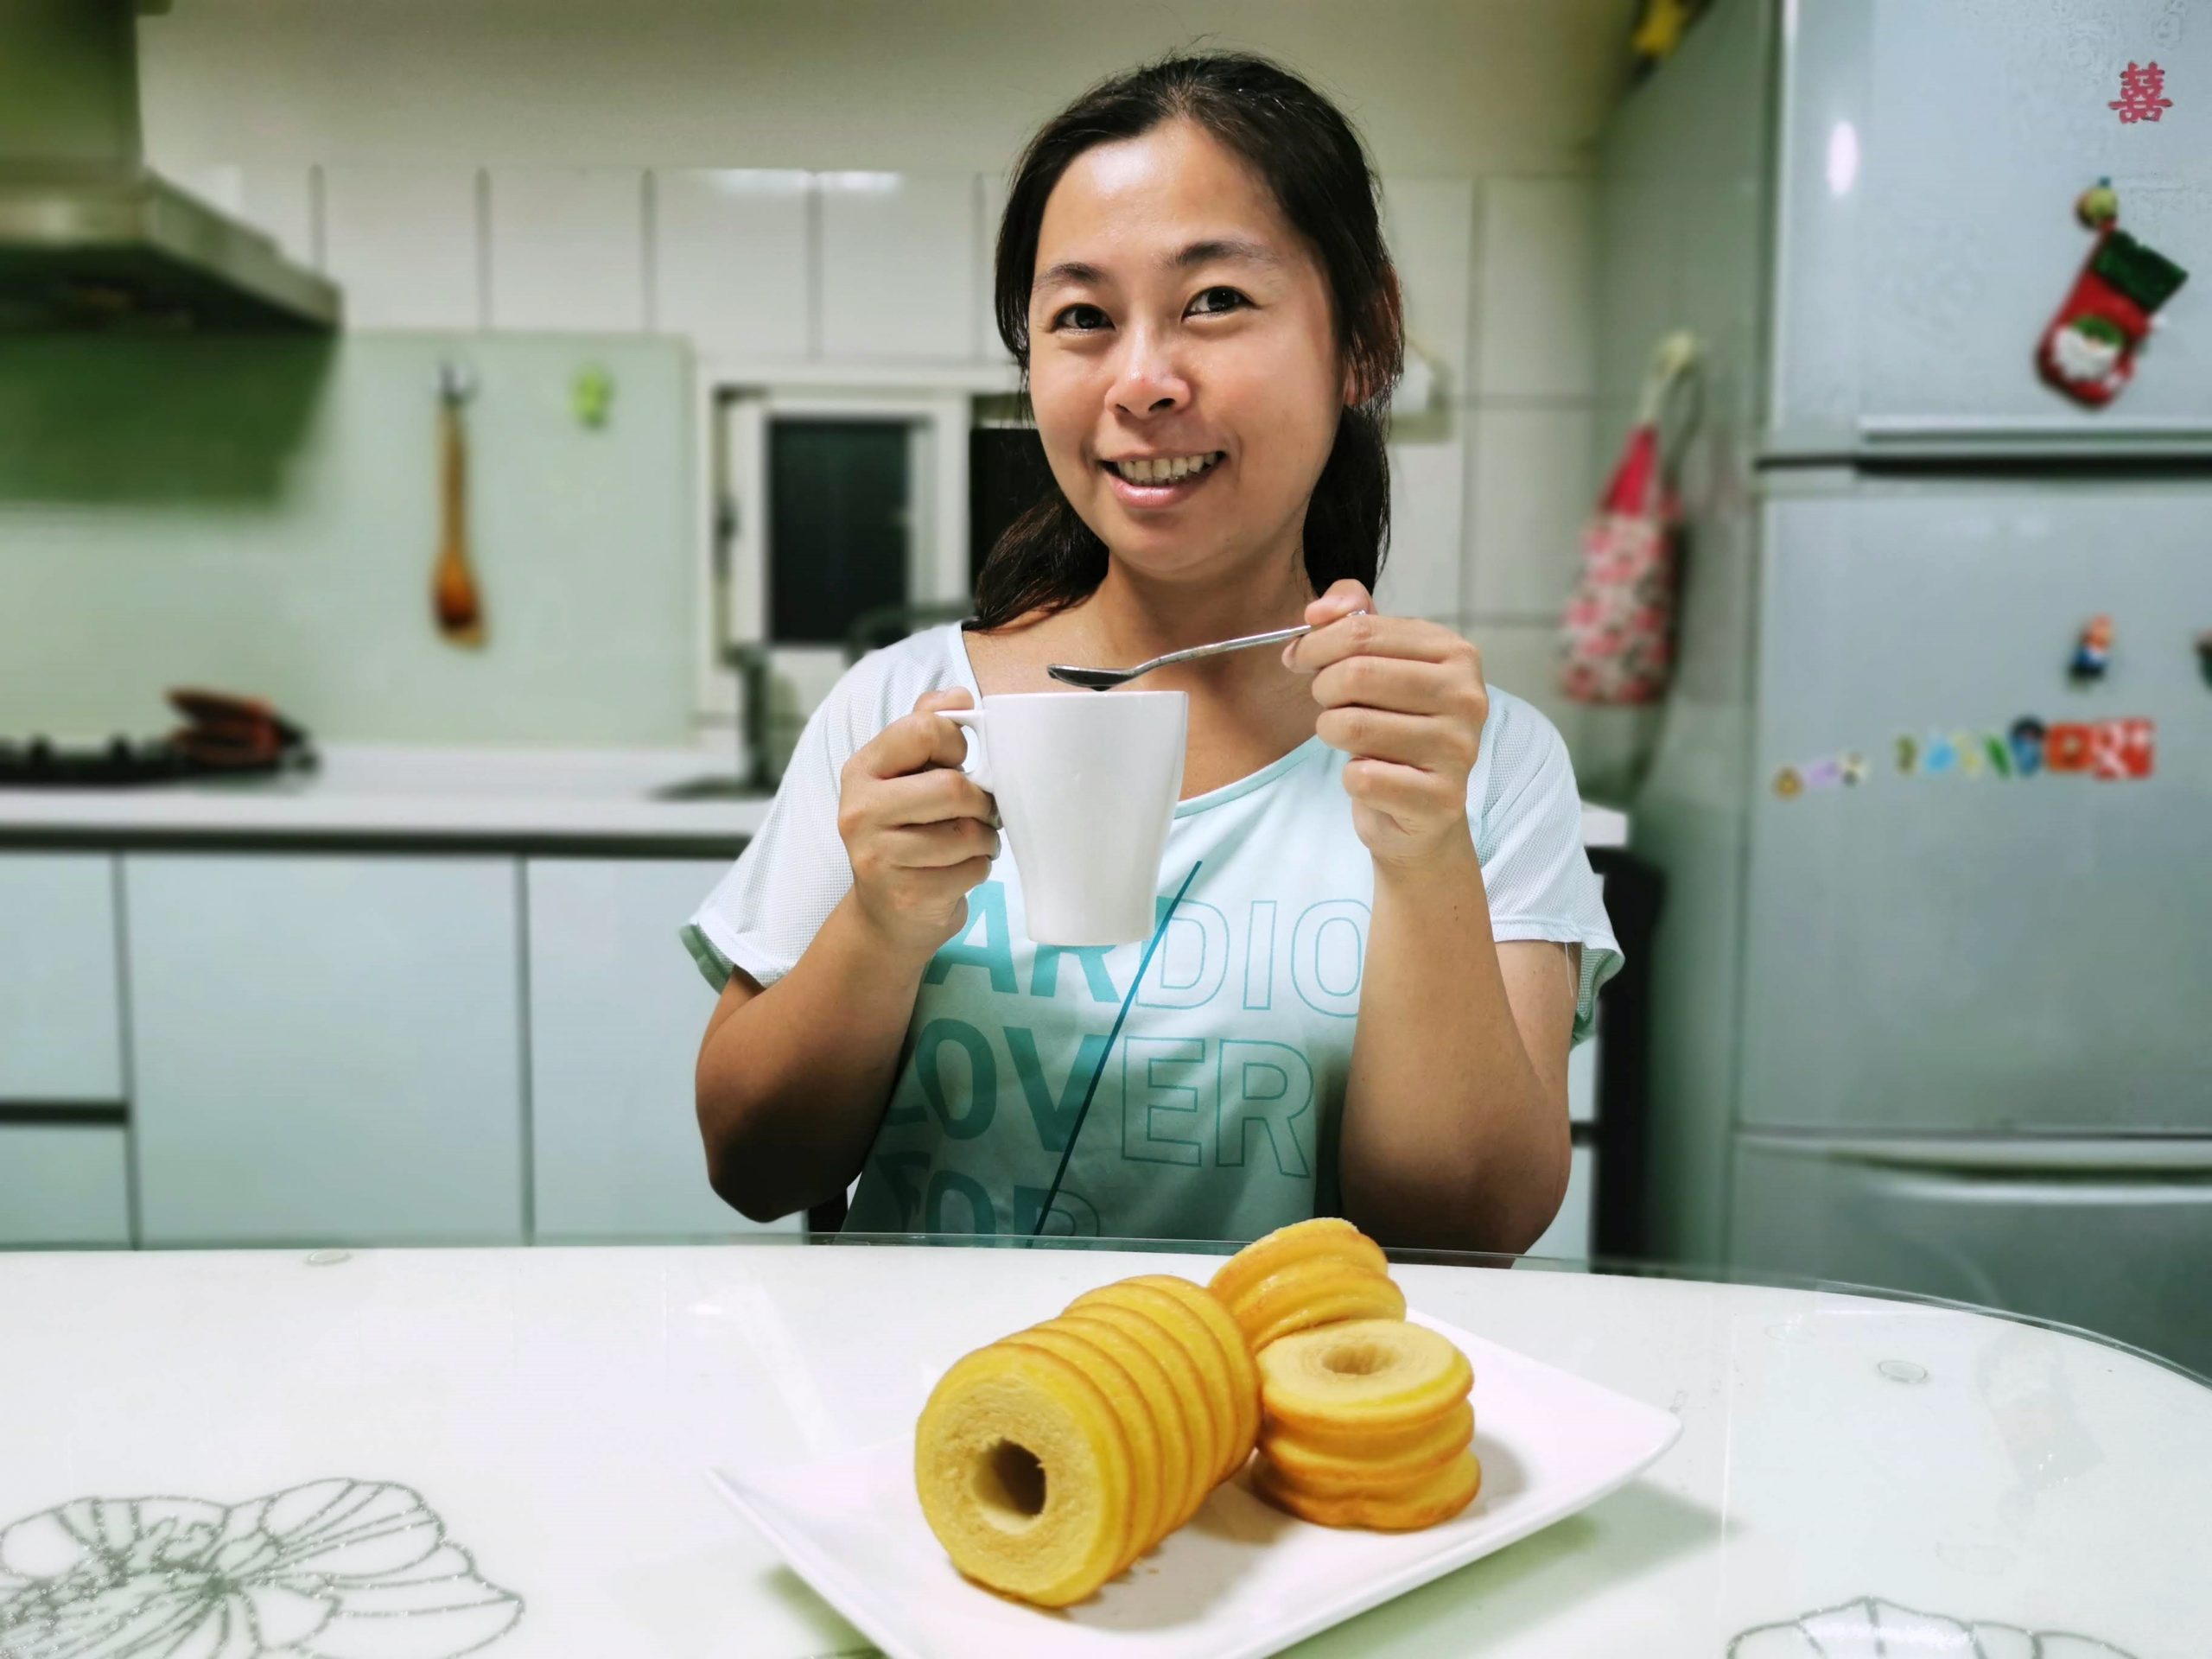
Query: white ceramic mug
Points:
[1086, 784]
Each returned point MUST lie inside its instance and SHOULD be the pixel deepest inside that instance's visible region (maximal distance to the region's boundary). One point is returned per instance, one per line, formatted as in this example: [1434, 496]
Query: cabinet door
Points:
[1961, 945]
[1930, 160]
[60, 1038]
[63, 1185]
[617, 1009]
[2110, 1236]
[1571, 1234]
[898, 276]
[326, 1049]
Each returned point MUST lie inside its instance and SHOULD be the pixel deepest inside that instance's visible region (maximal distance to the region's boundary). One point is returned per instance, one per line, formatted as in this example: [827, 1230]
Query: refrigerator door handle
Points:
[2155, 1157]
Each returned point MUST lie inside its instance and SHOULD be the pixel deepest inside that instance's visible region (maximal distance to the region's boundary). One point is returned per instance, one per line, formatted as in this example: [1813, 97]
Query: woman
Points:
[1364, 1003]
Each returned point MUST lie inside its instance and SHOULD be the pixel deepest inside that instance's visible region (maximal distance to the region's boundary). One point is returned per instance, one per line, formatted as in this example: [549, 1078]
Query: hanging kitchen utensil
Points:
[458, 606]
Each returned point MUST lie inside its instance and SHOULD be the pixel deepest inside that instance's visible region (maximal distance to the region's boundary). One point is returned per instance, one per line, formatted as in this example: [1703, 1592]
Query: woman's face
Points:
[1230, 355]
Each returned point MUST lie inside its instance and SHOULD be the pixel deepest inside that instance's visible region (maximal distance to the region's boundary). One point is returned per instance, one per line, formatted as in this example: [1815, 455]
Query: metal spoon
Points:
[1105, 679]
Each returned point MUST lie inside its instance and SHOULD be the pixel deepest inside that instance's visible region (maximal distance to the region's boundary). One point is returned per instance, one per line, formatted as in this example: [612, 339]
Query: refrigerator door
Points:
[2112, 1238]
[1930, 159]
[1958, 949]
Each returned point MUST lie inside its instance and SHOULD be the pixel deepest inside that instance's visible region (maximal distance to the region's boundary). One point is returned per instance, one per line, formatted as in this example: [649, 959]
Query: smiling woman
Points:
[1383, 937]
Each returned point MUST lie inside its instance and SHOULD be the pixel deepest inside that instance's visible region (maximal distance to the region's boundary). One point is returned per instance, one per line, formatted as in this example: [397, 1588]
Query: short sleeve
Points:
[766, 910]
[769, 904]
[1528, 835]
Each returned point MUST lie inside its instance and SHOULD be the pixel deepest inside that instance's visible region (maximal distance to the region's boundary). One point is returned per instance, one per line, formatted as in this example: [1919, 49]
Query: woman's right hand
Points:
[920, 832]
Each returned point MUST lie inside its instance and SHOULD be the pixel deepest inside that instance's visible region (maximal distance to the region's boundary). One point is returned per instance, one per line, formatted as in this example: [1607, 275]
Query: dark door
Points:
[838, 531]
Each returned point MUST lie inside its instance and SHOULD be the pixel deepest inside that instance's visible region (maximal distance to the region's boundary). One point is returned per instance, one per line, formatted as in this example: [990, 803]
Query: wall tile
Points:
[1522, 657]
[729, 259]
[568, 248]
[1536, 295]
[405, 243]
[1430, 226]
[990, 204]
[1421, 576]
[898, 276]
[1532, 493]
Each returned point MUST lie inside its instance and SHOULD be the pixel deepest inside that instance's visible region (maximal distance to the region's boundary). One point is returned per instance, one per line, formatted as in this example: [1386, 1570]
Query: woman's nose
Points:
[1150, 380]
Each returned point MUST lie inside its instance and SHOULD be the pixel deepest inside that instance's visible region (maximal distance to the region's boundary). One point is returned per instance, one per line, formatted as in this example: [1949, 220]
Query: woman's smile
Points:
[1161, 492]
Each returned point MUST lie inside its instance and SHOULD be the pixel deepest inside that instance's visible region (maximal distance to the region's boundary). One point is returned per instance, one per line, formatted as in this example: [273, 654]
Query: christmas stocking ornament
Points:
[2088, 352]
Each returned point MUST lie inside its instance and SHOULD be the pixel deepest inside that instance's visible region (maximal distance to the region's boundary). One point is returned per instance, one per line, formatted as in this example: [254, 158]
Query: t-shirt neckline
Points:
[964, 670]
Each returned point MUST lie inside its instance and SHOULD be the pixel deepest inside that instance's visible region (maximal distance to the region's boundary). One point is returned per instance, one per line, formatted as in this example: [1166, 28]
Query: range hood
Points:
[90, 238]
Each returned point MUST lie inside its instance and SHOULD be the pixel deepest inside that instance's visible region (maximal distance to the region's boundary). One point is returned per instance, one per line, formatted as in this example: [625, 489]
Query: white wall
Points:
[1481, 115]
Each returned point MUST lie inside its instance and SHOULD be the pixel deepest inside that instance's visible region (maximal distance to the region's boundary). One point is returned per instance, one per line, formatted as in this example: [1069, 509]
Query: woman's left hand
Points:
[1406, 700]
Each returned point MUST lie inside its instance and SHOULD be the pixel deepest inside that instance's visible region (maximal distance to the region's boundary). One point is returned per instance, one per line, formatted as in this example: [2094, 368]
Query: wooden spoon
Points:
[452, 589]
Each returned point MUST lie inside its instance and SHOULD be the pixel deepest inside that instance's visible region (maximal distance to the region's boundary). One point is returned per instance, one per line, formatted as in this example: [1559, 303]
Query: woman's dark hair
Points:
[1307, 152]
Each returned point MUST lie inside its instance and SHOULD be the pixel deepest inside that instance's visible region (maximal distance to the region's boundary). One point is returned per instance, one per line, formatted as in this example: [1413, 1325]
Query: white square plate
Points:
[1241, 1579]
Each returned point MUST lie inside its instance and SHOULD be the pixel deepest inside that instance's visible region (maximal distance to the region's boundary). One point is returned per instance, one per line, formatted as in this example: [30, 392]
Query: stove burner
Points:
[120, 763]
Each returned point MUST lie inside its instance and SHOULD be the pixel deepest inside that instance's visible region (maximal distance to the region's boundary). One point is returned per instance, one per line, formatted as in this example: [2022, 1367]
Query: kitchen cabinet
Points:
[61, 1026]
[406, 243]
[326, 1049]
[63, 1185]
[898, 276]
[730, 261]
[617, 1009]
[567, 248]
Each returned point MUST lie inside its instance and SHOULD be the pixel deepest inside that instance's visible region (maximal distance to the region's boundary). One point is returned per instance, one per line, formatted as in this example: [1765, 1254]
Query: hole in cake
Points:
[1011, 1483]
[1355, 1359]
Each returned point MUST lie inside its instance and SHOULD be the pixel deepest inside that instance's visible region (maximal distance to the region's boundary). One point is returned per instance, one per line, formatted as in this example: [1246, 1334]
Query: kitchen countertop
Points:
[428, 1452]
[373, 794]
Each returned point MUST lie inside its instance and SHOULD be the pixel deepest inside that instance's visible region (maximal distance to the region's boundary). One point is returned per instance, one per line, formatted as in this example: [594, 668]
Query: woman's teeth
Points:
[1165, 472]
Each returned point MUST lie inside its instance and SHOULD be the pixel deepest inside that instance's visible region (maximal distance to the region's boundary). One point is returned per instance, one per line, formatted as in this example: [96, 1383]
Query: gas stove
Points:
[122, 762]
[222, 735]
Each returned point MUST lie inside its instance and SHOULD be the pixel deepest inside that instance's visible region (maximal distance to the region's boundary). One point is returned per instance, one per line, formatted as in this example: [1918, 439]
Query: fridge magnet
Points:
[1908, 753]
[591, 394]
[2122, 749]
[2089, 348]
[1969, 753]
[2205, 655]
[2066, 749]
[2028, 736]
[2142, 93]
[1824, 773]
[1854, 769]
[1788, 785]
[2092, 652]
[1999, 753]
[1939, 757]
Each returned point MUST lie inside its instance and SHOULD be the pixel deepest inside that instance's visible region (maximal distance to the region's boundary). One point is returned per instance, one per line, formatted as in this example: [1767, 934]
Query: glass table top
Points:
[1856, 1473]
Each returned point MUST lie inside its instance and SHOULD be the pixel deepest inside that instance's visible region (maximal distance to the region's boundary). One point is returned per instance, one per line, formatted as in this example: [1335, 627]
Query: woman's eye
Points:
[1208, 311]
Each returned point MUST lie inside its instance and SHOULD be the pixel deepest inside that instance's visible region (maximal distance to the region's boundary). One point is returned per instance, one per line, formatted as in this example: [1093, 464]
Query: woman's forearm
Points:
[1450, 1140]
[792, 1084]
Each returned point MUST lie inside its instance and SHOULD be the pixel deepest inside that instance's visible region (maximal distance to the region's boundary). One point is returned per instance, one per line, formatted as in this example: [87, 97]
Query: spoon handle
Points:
[1220, 645]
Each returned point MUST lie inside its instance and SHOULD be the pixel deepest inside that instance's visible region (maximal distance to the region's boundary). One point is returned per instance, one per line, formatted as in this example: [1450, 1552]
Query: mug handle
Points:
[971, 720]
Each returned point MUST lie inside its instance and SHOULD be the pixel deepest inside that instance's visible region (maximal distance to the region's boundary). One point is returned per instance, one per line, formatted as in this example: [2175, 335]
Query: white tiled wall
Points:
[1531, 423]
[1491, 482]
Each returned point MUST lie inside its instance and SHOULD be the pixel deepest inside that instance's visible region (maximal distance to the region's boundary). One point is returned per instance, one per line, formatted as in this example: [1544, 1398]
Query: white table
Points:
[556, 1410]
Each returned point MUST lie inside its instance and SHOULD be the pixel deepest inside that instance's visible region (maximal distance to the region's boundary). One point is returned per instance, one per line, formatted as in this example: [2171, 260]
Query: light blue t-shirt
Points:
[1214, 1111]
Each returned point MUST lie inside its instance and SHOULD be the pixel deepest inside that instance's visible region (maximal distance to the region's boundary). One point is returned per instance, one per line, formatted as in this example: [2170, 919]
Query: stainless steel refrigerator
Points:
[1932, 996]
